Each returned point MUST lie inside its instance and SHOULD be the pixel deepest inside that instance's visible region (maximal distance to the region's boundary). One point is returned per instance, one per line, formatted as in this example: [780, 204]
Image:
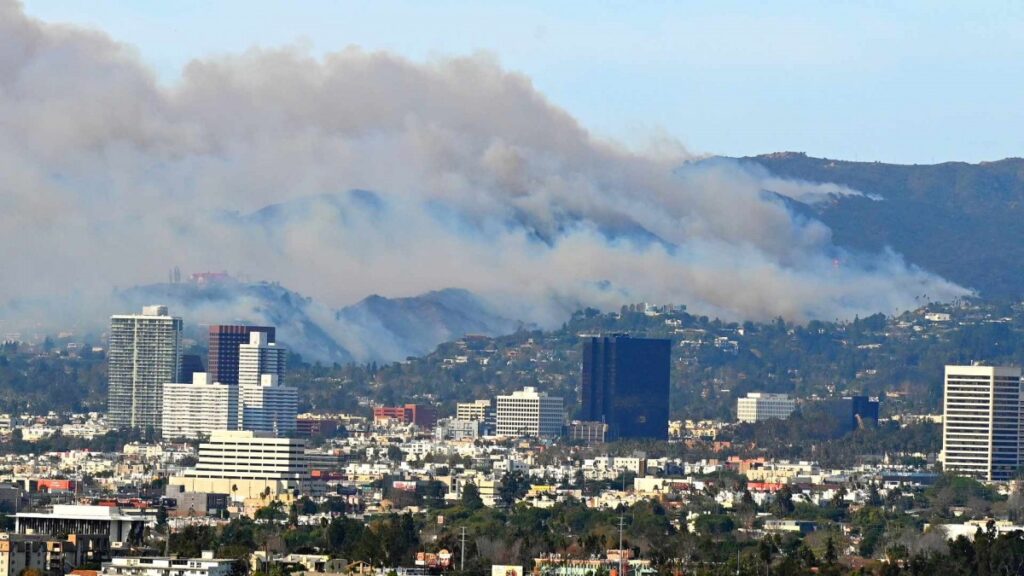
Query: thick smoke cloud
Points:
[109, 179]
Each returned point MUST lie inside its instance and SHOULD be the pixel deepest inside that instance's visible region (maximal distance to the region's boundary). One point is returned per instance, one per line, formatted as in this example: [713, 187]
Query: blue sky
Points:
[912, 82]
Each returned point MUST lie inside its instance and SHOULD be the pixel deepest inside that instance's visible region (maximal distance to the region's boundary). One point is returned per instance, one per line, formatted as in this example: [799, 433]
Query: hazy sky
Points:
[892, 81]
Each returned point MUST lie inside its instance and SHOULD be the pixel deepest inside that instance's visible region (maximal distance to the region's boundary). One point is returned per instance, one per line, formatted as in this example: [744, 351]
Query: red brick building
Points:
[420, 415]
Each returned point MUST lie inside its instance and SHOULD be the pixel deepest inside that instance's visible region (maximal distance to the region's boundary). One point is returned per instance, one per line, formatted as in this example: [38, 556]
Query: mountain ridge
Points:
[375, 329]
[956, 219]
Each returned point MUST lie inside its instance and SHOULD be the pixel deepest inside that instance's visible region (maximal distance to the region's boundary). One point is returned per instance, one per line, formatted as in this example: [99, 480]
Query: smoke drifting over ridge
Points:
[475, 180]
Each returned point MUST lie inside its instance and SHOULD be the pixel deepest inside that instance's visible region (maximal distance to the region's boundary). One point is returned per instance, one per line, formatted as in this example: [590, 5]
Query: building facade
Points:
[981, 430]
[206, 565]
[418, 414]
[247, 464]
[120, 529]
[258, 357]
[309, 426]
[197, 409]
[49, 555]
[268, 406]
[587, 432]
[761, 406]
[626, 385]
[225, 341]
[144, 353]
[190, 365]
[458, 429]
[852, 412]
[479, 410]
[528, 412]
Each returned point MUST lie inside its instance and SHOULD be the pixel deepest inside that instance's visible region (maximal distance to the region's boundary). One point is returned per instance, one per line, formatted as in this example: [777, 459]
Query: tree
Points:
[273, 512]
[714, 524]
[471, 497]
[831, 555]
[192, 540]
[514, 486]
[783, 505]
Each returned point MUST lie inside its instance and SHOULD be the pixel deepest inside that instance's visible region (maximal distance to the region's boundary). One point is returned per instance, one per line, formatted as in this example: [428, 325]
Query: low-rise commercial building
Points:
[761, 406]
[244, 464]
[206, 565]
[47, 554]
[418, 414]
[528, 412]
[121, 530]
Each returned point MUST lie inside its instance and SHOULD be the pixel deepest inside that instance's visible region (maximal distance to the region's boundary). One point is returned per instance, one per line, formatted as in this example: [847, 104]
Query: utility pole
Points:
[462, 559]
[622, 518]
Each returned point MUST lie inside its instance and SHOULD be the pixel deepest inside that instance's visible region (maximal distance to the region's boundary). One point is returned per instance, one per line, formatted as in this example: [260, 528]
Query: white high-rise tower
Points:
[981, 431]
[144, 353]
[259, 357]
[268, 406]
[264, 403]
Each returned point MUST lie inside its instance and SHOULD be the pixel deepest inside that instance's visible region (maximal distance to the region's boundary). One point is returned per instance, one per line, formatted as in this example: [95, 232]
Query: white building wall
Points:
[143, 354]
[268, 406]
[476, 410]
[198, 409]
[244, 463]
[260, 357]
[760, 406]
[981, 432]
[527, 412]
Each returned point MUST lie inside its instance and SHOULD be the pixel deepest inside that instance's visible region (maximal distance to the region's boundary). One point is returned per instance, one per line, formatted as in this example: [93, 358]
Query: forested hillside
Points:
[958, 220]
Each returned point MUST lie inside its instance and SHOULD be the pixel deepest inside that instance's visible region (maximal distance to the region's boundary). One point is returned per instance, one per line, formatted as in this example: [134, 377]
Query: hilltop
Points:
[958, 220]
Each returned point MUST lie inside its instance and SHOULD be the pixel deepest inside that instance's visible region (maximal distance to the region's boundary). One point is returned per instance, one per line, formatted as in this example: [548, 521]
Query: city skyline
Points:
[485, 288]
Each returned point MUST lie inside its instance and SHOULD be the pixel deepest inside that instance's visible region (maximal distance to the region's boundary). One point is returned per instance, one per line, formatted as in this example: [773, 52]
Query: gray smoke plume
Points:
[363, 172]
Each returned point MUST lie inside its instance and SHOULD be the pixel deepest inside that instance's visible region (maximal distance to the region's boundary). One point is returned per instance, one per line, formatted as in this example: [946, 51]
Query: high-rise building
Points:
[200, 408]
[528, 412]
[144, 354]
[247, 464]
[761, 406]
[258, 357]
[626, 385]
[268, 406]
[191, 364]
[224, 342]
[981, 424]
[852, 412]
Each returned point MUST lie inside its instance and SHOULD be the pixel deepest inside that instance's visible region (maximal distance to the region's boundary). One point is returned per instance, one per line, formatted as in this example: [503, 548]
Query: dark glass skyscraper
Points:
[851, 412]
[224, 342]
[626, 385]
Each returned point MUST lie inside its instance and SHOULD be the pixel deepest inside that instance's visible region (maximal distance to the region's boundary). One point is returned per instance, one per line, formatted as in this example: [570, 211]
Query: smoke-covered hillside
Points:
[244, 164]
[375, 329]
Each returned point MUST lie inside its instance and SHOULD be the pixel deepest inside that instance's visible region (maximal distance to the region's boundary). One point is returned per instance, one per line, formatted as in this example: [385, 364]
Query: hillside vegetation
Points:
[959, 220]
